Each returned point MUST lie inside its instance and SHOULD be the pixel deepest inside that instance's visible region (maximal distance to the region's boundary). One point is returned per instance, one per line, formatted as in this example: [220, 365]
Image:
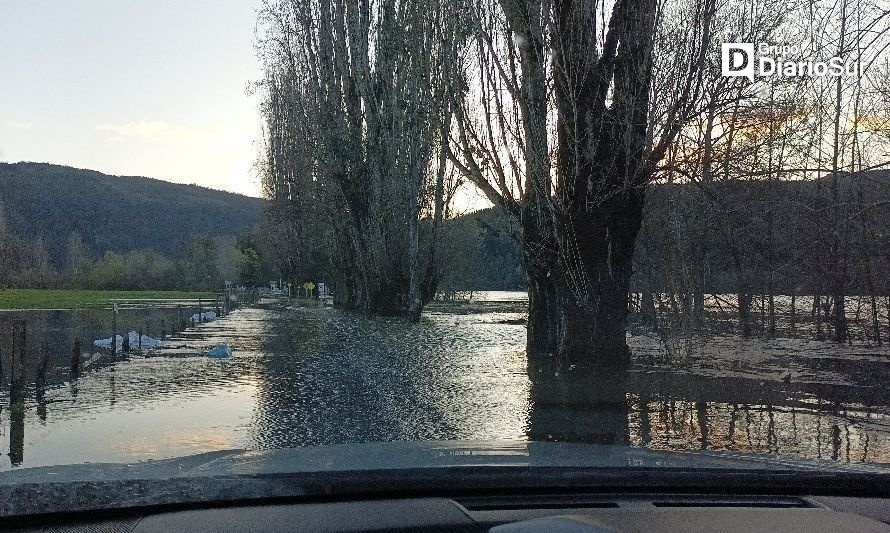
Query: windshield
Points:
[278, 224]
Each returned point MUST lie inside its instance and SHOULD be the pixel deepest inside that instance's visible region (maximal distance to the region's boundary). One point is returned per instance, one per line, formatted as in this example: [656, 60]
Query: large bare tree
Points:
[564, 129]
[355, 94]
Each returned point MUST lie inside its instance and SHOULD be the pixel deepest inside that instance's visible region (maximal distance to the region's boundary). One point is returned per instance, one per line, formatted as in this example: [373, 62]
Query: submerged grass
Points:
[72, 299]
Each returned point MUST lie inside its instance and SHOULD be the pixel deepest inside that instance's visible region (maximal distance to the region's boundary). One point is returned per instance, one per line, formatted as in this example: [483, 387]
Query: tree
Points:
[11, 254]
[200, 263]
[578, 193]
[78, 259]
[354, 104]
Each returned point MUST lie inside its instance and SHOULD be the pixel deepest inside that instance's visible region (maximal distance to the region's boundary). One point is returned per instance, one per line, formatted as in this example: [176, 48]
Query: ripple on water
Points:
[309, 376]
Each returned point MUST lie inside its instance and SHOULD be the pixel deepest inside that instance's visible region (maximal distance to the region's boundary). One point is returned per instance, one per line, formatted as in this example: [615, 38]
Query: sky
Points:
[155, 88]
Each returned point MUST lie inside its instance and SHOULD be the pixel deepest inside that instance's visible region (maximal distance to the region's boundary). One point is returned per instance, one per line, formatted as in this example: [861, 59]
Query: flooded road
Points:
[305, 376]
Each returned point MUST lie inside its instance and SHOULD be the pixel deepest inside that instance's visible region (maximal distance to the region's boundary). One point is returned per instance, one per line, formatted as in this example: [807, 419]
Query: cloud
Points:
[151, 130]
[19, 125]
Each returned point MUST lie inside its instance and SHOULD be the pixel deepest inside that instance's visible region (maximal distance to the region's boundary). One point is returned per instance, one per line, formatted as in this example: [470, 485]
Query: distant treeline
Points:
[771, 235]
[114, 213]
[767, 236]
[62, 227]
[203, 264]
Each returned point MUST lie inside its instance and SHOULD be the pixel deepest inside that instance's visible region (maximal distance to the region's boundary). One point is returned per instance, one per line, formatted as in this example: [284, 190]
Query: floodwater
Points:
[314, 375]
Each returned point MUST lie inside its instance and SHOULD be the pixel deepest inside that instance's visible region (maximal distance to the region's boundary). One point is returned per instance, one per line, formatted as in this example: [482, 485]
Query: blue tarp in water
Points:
[219, 351]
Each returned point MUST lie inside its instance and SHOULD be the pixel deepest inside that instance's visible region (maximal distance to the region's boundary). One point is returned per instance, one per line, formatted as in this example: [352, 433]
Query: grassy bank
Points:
[71, 299]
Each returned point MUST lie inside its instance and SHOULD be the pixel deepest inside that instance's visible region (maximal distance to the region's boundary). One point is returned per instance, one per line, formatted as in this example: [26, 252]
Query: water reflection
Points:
[16, 434]
[589, 406]
[309, 376]
[683, 425]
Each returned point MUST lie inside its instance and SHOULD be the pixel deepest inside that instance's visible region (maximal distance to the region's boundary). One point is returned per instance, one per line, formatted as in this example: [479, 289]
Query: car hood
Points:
[422, 467]
[377, 456]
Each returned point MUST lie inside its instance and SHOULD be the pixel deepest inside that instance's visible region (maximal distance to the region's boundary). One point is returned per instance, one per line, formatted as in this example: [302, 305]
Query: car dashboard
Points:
[546, 512]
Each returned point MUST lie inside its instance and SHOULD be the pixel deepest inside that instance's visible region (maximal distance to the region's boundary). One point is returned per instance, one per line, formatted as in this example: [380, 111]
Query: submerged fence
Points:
[37, 347]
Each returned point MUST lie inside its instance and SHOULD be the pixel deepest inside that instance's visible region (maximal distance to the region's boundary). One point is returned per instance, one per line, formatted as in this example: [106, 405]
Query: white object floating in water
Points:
[203, 317]
[219, 351]
[147, 342]
[106, 343]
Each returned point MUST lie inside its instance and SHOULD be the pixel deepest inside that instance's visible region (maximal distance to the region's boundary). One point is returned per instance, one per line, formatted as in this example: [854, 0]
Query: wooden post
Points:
[216, 305]
[75, 358]
[163, 329]
[113, 329]
[181, 326]
[140, 338]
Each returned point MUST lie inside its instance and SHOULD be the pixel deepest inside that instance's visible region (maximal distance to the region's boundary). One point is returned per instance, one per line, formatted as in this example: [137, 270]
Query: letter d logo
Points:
[737, 59]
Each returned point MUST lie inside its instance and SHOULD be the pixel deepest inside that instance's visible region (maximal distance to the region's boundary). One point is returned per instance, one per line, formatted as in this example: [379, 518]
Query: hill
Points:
[117, 213]
[480, 252]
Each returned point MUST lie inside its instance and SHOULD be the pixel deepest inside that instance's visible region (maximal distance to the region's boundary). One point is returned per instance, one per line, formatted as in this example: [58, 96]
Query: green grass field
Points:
[72, 299]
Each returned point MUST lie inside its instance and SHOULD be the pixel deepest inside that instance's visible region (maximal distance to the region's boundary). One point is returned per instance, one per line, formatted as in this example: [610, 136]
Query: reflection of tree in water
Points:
[684, 413]
[17, 334]
[809, 432]
[580, 406]
[16, 433]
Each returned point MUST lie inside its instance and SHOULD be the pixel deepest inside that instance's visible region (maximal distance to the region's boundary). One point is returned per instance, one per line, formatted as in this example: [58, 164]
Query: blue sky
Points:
[136, 87]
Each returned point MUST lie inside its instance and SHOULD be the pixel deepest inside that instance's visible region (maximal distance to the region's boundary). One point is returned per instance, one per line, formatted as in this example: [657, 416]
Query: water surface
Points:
[306, 376]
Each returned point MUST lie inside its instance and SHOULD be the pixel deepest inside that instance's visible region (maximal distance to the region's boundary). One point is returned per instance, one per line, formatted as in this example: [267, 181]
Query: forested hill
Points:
[118, 213]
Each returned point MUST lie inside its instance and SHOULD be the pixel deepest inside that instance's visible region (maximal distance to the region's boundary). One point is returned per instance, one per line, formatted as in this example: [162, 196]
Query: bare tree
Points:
[564, 130]
[355, 108]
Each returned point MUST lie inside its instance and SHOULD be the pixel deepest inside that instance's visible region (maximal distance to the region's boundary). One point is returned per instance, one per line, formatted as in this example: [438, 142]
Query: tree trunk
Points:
[647, 308]
[744, 312]
[838, 258]
[542, 335]
[602, 171]
[415, 300]
[600, 242]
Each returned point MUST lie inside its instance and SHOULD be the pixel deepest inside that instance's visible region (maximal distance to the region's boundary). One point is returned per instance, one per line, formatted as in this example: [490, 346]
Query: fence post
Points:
[114, 329]
[75, 358]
